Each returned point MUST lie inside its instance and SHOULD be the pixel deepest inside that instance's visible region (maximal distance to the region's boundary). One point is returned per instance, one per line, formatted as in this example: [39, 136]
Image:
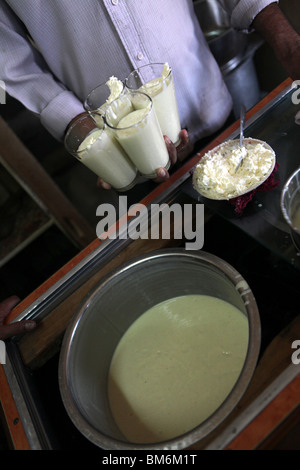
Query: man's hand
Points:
[12, 329]
[274, 27]
[175, 153]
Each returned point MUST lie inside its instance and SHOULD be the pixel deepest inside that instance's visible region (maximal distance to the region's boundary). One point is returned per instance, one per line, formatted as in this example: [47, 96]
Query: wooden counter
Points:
[270, 423]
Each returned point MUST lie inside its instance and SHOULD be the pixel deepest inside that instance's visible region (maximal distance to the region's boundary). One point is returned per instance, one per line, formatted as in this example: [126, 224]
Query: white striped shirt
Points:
[77, 44]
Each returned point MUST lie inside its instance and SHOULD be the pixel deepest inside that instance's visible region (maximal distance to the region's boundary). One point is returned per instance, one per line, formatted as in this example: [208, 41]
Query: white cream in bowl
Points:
[215, 177]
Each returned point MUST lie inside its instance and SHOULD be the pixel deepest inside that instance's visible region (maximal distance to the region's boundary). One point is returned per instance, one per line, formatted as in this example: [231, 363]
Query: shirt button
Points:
[115, 2]
[140, 56]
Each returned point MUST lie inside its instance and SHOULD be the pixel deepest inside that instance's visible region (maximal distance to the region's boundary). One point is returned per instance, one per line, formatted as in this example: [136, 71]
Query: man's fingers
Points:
[184, 136]
[12, 329]
[171, 150]
[102, 184]
[17, 328]
[162, 175]
[185, 147]
[7, 305]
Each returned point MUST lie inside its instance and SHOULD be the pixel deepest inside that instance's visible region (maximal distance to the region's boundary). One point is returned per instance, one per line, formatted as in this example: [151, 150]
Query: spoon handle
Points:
[242, 124]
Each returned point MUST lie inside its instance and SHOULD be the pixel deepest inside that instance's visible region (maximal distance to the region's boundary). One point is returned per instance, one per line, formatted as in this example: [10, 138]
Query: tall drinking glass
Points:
[96, 147]
[156, 80]
[102, 95]
[133, 120]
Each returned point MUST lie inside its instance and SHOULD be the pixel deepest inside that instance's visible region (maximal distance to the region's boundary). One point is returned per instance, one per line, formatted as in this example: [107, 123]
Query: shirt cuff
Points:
[59, 112]
[245, 12]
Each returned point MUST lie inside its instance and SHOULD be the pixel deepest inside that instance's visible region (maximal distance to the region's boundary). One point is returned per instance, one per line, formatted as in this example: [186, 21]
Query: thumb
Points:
[7, 305]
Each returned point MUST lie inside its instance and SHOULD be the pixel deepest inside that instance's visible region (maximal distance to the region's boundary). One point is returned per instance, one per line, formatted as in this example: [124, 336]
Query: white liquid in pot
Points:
[175, 365]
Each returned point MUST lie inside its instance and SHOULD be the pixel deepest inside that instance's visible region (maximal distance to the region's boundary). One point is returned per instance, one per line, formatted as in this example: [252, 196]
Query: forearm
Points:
[274, 27]
[243, 12]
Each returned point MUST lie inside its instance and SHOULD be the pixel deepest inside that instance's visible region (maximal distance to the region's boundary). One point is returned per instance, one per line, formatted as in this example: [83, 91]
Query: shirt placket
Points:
[125, 25]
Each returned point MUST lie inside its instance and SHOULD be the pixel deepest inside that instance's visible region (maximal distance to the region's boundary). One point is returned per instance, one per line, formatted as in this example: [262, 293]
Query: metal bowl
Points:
[105, 315]
[290, 202]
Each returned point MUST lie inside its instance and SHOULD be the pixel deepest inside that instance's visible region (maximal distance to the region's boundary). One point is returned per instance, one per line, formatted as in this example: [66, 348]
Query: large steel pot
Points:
[233, 51]
[226, 44]
[109, 310]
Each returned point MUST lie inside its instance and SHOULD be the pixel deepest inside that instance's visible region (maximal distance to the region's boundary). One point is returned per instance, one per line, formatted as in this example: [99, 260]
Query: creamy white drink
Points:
[162, 91]
[134, 123]
[175, 365]
[101, 96]
[101, 153]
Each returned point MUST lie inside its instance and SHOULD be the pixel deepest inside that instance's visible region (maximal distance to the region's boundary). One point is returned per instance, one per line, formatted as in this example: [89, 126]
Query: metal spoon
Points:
[242, 124]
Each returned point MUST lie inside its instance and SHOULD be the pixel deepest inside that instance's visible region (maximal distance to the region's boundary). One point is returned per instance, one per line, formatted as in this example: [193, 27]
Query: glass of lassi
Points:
[156, 80]
[133, 120]
[102, 95]
[96, 147]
